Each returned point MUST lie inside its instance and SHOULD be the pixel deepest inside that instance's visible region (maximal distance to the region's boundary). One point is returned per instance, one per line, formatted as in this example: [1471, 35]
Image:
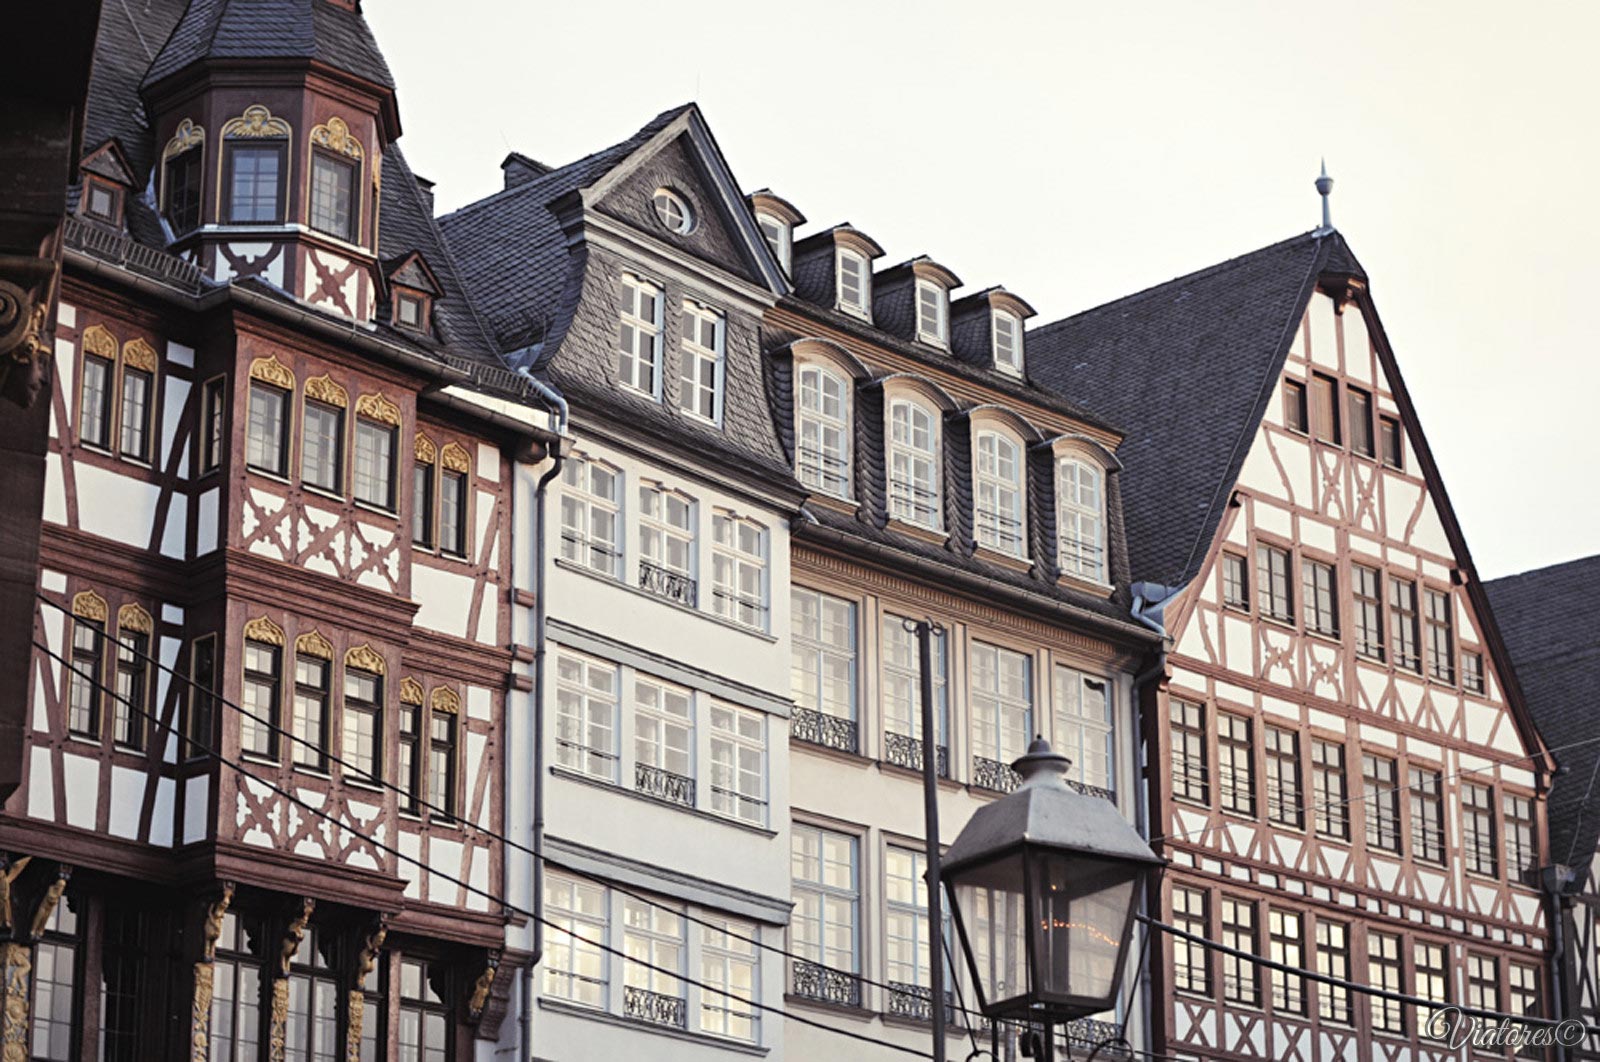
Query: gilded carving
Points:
[312, 643]
[378, 408]
[186, 136]
[335, 136]
[214, 915]
[15, 966]
[480, 988]
[47, 902]
[365, 658]
[294, 934]
[425, 449]
[322, 389]
[256, 121]
[139, 354]
[369, 951]
[91, 606]
[262, 629]
[279, 1019]
[9, 871]
[444, 699]
[133, 618]
[455, 458]
[200, 1015]
[355, 1018]
[366, 959]
[270, 370]
[410, 691]
[98, 341]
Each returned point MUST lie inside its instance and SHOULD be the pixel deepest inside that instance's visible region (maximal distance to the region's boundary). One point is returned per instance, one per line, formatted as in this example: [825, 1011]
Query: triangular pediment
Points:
[412, 271]
[108, 161]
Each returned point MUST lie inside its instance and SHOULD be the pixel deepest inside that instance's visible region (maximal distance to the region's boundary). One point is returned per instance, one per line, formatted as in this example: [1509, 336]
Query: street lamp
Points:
[1044, 884]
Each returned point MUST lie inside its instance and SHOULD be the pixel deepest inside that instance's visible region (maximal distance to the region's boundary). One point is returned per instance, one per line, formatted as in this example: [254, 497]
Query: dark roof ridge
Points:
[1546, 569]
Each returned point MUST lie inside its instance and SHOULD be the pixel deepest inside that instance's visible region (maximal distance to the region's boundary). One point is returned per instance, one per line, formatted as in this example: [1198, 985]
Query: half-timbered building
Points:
[273, 623]
[1341, 767]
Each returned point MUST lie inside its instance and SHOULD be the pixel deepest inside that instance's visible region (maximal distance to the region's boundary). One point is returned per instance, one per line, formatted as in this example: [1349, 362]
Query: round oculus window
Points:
[673, 213]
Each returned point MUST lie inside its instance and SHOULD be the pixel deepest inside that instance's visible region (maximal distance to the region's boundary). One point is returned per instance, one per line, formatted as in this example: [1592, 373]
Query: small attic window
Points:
[932, 312]
[102, 200]
[855, 283]
[778, 236]
[411, 310]
[1007, 343]
[673, 212]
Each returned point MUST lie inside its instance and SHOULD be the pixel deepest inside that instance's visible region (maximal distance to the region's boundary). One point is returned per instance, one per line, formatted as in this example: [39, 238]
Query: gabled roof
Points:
[318, 30]
[1550, 620]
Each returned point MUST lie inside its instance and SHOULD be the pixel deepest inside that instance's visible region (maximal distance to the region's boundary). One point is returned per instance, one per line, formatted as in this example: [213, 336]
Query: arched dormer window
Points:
[933, 313]
[779, 237]
[999, 514]
[1080, 518]
[913, 463]
[855, 282]
[1007, 336]
[180, 177]
[255, 167]
[822, 430]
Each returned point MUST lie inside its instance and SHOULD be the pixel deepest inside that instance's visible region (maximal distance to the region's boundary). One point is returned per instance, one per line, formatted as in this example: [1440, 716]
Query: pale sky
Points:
[1078, 152]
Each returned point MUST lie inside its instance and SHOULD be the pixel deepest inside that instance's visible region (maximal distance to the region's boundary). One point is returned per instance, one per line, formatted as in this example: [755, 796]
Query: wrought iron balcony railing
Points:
[913, 504]
[992, 774]
[663, 784]
[903, 750]
[664, 582]
[814, 981]
[820, 728]
[1092, 790]
[655, 1008]
[827, 472]
[916, 1002]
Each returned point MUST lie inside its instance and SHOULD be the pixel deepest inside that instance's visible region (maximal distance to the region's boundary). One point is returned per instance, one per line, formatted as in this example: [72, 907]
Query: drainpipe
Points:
[1557, 880]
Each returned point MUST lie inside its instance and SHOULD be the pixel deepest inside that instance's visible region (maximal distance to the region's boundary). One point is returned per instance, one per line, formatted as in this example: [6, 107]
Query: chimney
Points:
[425, 189]
[520, 169]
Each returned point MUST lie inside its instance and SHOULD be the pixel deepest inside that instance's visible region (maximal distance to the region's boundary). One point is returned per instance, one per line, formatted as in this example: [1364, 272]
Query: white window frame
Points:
[735, 731]
[814, 655]
[1081, 523]
[650, 945]
[779, 237]
[659, 750]
[829, 898]
[912, 914]
[931, 296]
[722, 952]
[593, 712]
[582, 508]
[573, 924]
[730, 558]
[913, 499]
[1086, 738]
[696, 357]
[863, 272]
[992, 708]
[1007, 356]
[632, 363]
[901, 663]
[656, 529]
[988, 480]
[813, 456]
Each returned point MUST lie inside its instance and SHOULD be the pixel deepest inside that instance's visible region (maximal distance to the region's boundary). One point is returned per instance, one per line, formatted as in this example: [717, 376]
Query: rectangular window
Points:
[1235, 581]
[728, 965]
[1283, 777]
[1392, 440]
[739, 570]
[1381, 798]
[453, 513]
[130, 710]
[1427, 814]
[255, 183]
[311, 712]
[591, 498]
[1190, 774]
[410, 767]
[913, 462]
[1521, 857]
[822, 430]
[931, 300]
[823, 656]
[100, 201]
[1383, 971]
[374, 465]
[1367, 589]
[422, 505]
[236, 1010]
[1361, 437]
[663, 741]
[425, 1030]
[998, 480]
[738, 764]
[823, 928]
[1477, 829]
[202, 696]
[258, 721]
[854, 283]
[1083, 729]
[442, 765]
[1523, 991]
[1002, 712]
[700, 377]
[1321, 590]
[1430, 977]
[311, 1026]
[1441, 636]
[1325, 408]
[1240, 982]
[1472, 672]
[333, 183]
[266, 435]
[1329, 790]
[901, 687]
[652, 986]
[906, 933]
[1286, 944]
[55, 977]
[574, 964]
[1403, 624]
[410, 311]
[1272, 581]
[213, 429]
[1007, 343]
[639, 337]
[1080, 519]
[137, 409]
[1483, 982]
[1191, 966]
[1295, 416]
[586, 716]
[181, 191]
[776, 233]
[363, 725]
[1236, 778]
[1333, 960]
[94, 403]
[322, 446]
[666, 544]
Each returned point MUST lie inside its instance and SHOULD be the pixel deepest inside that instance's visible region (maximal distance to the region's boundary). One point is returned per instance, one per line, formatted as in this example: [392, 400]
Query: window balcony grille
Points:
[992, 774]
[664, 582]
[825, 984]
[826, 472]
[1082, 556]
[1093, 790]
[998, 530]
[902, 750]
[655, 1008]
[749, 611]
[592, 553]
[820, 728]
[663, 785]
[915, 1002]
[1085, 1033]
[913, 504]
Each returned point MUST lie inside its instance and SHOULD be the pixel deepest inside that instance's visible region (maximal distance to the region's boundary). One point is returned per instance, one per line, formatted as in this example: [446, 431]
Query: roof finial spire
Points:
[1325, 189]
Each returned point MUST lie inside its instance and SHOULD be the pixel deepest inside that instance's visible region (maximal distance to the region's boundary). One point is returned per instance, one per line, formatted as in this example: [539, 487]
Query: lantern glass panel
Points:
[1081, 908]
[991, 903]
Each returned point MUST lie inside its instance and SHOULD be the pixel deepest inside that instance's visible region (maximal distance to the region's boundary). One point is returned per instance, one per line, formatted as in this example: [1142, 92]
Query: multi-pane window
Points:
[731, 970]
[321, 445]
[1273, 583]
[374, 463]
[906, 919]
[1286, 944]
[1007, 342]
[453, 514]
[822, 431]
[1483, 982]
[1080, 519]
[586, 715]
[663, 731]
[913, 463]
[1441, 636]
[214, 425]
[1477, 829]
[311, 686]
[1235, 581]
[442, 763]
[409, 773]
[94, 402]
[1295, 415]
[574, 964]
[1236, 780]
[201, 720]
[1426, 795]
[1522, 985]
[1282, 748]
[235, 1032]
[639, 335]
[424, 1034]
[1362, 440]
[422, 504]
[901, 684]
[181, 191]
[1333, 960]
[997, 494]
[823, 654]
[823, 927]
[255, 183]
[653, 939]
[932, 304]
[1190, 774]
[137, 408]
[258, 721]
[1472, 672]
[590, 520]
[700, 373]
[311, 1024]
[1240, 981]
[1321, 594]
[333, 184]
[130, 708]
[1521, 856]
[1325, 408]
[739, 570]
[362, 748]
[1191, 966]
[1083, 728]
[1430, 975]
[778, 238]
[666, 542]
[1002, 702]
[1366, 586]
[1383, 972]
[266, 430]
[1391, 441]
[1403, 623]
[855, 283]
[1381, 797]
[1329, 791]
[55, 977]
[738, 764]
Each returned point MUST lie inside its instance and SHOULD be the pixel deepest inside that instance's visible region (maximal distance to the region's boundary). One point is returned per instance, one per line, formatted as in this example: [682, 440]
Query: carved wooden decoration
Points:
[378, 408]
[98, 341]
[186, 136]
[455, 458]
[335, 136]
[10, 869]
[90, 606]
[15, 968]
[322, 389]
[410, 691]
[48, 902]
[256, 122]
[366, 959]
[426, 451]
[270, 370]
[140, 355]
[480, 988]
[205, 975]
[262, 629]
[364, 658]
[133, 618]
[444, 699]
[312, 643]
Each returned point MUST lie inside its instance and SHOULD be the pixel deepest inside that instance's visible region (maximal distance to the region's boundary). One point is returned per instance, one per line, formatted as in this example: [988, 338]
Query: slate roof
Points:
[1185, 368]
[1550, 620]
[284, 29]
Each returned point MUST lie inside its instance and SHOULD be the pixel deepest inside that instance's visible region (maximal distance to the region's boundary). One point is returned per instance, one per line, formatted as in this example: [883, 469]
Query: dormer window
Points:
[255, 175]
[1007, 343]
[932, 313]
[778, 236]
[998, 506]
[822, 431]
[102, 201]
[411, 311]
[673, 212]
[1080, 518]
[181, 190]
[855, 283]
[333, 184]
